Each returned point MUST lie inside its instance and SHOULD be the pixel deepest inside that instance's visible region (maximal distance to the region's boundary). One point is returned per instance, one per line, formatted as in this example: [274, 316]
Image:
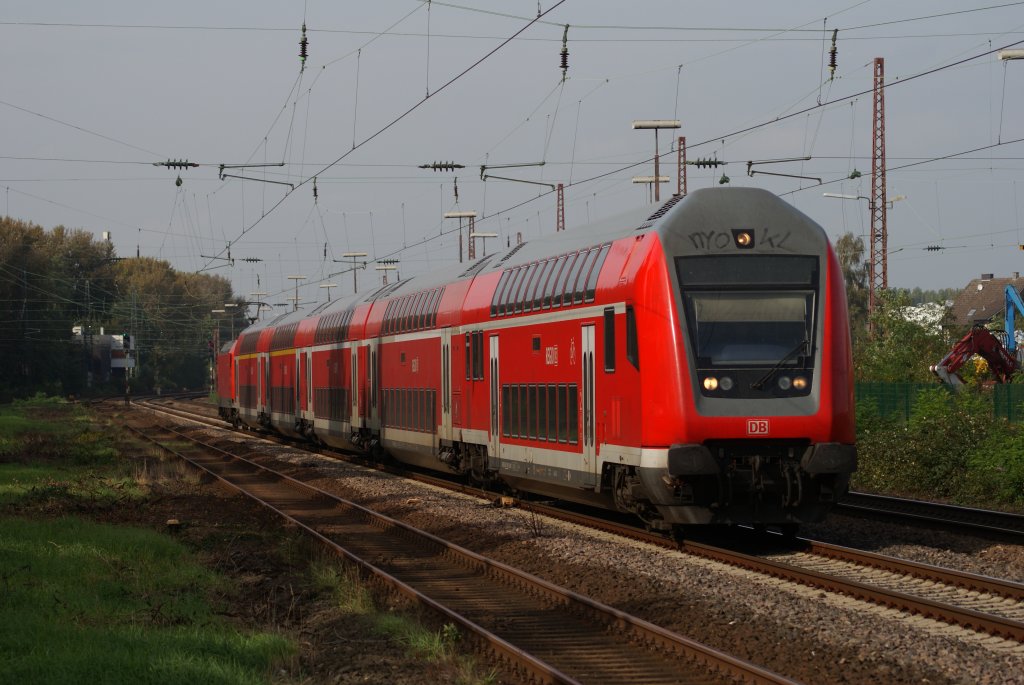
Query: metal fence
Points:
[1008, 402]
[898, 399]
[890, 398]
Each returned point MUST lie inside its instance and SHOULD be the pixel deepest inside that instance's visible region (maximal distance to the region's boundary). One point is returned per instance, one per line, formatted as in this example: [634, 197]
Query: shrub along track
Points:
[534, 629]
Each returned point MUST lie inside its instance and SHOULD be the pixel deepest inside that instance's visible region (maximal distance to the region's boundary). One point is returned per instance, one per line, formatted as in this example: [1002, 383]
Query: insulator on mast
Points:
[832, 56]
[456, 186]
[565, 51]
[316, 193]
[303, 46]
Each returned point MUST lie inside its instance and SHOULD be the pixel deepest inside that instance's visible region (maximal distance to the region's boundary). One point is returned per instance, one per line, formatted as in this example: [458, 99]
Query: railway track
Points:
[946, 515]
[970, 601]
[532, 628]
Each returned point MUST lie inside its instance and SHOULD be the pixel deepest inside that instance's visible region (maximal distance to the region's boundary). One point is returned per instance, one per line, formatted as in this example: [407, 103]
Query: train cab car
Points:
[752, 365]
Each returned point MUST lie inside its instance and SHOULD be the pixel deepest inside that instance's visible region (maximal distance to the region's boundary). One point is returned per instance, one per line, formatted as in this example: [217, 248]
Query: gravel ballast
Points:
[804, 633]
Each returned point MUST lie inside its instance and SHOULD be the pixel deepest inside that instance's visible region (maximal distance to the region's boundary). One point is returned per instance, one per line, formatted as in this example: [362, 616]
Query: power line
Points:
[79, 128]
[387, 126]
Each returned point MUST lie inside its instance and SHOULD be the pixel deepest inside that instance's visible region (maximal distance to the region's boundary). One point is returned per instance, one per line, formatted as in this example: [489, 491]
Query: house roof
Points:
[983, 299]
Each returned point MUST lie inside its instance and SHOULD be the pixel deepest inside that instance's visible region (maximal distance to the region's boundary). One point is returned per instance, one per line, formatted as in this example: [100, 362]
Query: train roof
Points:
[695, 209]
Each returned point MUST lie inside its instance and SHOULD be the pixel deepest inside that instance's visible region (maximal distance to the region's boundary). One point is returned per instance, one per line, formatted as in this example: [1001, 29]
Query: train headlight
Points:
[785, 383]
[725, 384]
[799, 383]
[743, 238]
[710, 383]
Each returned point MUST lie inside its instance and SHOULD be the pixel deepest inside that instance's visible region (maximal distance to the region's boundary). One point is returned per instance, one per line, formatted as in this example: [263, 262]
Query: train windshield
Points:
[749, 311]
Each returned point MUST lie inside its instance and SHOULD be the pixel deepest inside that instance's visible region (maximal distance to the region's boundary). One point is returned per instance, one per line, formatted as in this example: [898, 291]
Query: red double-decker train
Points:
[691, 366]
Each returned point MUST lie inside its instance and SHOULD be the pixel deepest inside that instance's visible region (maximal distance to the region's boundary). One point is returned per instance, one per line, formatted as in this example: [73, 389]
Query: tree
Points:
[850, 253]
[53, 280]
[899, 350]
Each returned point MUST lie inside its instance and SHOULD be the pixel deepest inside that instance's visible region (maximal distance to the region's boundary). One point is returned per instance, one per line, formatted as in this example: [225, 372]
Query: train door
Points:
[446, 385]
[300, 378]
[587, 370]
[268, 395]
[373, 369]
[495, 395]
[309, 383]
[354, 359]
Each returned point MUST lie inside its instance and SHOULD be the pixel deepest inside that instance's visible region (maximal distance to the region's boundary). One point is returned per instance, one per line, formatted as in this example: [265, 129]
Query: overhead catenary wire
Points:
[402, 116]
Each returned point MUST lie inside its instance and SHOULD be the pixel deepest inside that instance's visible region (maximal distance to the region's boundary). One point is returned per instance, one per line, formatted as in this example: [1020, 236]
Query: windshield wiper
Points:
[760, 383]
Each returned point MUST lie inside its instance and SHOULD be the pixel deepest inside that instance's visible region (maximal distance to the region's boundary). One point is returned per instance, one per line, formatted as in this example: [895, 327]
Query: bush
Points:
[949, 448]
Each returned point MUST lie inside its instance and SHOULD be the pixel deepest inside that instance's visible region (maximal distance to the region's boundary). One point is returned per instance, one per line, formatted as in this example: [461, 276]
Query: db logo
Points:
[757, 426]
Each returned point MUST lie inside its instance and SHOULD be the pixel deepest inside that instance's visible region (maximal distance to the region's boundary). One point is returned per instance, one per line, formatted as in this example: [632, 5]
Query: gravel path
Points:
[801, 632]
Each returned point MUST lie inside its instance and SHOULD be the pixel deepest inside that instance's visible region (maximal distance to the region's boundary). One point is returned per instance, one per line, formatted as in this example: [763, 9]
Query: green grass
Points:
[354, 599]
[90, 603]
[84, 602]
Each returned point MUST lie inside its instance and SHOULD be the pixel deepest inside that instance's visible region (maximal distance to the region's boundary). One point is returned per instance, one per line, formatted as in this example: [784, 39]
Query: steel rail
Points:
[987, 520]
[637, 633]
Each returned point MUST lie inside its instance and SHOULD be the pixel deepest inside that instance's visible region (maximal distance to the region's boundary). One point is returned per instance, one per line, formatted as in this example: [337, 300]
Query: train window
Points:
[570, 282]
[549, 287]
[776, 324]
[517, 299]
[524, 283]
[408, 314]
[535, 344]
[609, 339]
[403, 319]
[480, 370]
[718, 270]
[419, 311]
[423, 310]
[396, 316]
[563, 277]
[469, 356]
[594, 273]
[542, 413]
[428, 305]
[532, 412]
[436, 305]
[580, 287]
[513, 424]
[506, 299]
[431, 306]
[563, 422]
[421, 409]
[524, 415]
[506, 408]
[542, 278]
[498, 291]
[573, 414]
[552, 432]
[386, 324]
[632, 346]
[395, 313]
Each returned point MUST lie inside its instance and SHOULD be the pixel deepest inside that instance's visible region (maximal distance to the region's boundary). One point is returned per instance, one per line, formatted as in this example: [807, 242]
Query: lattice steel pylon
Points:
[878, 267]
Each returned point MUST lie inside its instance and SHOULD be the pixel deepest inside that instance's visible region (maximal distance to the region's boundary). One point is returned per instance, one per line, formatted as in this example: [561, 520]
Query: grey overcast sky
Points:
[92, 94]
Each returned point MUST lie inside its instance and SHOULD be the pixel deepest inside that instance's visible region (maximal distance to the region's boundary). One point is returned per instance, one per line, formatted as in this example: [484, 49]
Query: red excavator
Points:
[1002, 357]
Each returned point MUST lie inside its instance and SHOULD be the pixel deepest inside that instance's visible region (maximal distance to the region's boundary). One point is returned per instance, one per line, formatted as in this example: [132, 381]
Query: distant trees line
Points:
[53, 280]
